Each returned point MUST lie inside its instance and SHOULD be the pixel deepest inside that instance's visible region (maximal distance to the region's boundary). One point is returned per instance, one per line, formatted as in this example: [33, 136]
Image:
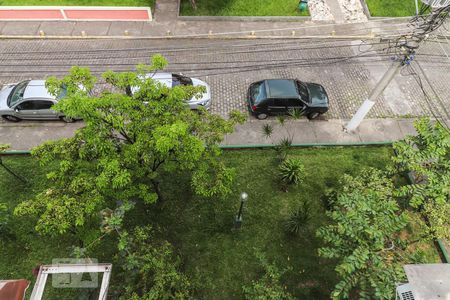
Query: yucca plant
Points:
[291, 171]
[299, 219]
[282, 148]
[267, 130]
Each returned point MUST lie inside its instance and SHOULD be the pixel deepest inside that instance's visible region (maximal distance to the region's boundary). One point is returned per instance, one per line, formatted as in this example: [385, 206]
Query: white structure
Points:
[425, 282]
[39, 286]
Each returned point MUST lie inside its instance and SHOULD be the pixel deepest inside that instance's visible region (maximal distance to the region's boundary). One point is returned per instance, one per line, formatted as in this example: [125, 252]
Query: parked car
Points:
[171, 80]
[280, 96]
[29, 100]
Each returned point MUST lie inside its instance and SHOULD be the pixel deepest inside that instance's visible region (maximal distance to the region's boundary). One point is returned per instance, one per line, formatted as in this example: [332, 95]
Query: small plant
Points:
[299, 219]
[267, 130]
[281, 119]
[295, 113]
[291, 171]
[282, 148]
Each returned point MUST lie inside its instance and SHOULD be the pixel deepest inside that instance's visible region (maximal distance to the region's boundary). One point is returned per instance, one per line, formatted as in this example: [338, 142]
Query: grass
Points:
[145, 3]
[392, 8]
[219, 259]
[241, 8]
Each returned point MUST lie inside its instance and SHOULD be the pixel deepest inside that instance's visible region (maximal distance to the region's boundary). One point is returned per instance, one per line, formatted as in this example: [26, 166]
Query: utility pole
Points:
[423, 27]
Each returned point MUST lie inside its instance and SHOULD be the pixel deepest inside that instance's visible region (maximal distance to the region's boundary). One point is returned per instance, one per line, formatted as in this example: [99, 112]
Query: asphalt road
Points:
[347, 69]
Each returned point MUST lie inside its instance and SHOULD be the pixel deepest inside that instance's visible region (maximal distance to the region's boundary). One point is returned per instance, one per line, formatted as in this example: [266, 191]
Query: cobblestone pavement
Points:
[347, 69]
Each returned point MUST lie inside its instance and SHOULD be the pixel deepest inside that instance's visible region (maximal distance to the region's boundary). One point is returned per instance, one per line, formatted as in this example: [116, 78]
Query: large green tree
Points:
[363, 237]
[427, 156]
[136, 133]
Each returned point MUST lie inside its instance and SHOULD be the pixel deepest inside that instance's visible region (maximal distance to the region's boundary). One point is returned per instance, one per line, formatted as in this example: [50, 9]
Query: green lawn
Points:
[241, 8]
[218, 259]
[146, 3]
[392, 8]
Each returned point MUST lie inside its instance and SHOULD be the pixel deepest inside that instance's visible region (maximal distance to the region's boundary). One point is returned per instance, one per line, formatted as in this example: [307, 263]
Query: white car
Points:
[29, 100]
[171, 80]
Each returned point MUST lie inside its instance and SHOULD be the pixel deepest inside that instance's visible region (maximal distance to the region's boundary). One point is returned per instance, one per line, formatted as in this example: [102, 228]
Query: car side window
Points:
[42, 104]
[27, 105]
[36, 104]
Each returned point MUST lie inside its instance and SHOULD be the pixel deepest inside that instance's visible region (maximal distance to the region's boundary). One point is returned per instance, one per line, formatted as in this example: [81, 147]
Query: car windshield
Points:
[258, 92]
[17, 93]
[180, 80]
[303, 91]
[62, 93]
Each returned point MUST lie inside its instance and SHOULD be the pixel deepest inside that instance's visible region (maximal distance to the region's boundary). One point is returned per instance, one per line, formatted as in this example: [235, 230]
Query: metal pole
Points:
[417, 7]
[376, 92]
[238, 220]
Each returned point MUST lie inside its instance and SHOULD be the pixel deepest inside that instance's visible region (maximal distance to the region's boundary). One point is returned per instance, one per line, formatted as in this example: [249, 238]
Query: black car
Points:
[280, 96]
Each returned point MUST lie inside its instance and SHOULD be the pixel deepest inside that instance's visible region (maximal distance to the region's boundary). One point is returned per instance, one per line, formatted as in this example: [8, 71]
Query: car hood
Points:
[205, 96]
[4, 93]
[317, 95]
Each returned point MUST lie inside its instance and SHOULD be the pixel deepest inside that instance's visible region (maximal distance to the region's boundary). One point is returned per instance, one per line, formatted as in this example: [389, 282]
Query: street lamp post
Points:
[238, 220]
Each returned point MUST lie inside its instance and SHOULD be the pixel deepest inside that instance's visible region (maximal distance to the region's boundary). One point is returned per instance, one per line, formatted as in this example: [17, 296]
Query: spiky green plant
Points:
[299, 219]
[267, 130]
[291, 171]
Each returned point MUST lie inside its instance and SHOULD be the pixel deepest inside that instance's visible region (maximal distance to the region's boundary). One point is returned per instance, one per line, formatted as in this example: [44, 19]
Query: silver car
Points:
[171, 80]
[29, 100]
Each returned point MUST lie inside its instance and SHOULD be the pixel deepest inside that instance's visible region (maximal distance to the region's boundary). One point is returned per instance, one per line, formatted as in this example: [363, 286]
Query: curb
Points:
[202, 36]
[256, 146]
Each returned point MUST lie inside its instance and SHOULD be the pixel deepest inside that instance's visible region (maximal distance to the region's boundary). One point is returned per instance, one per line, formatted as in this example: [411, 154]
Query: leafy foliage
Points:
[131, 138]
[151, 268]
[292, 171]
[363, 237]
[427, 157]
[298, 221]
[269, 286]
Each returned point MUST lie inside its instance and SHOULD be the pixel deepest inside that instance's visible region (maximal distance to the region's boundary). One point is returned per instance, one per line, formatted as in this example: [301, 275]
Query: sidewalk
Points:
[167, 24]
[26, 135]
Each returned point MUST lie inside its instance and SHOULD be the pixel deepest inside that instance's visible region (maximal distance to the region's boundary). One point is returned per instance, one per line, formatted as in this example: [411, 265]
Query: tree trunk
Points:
[157, 189]
[194, 5]
[12, 172]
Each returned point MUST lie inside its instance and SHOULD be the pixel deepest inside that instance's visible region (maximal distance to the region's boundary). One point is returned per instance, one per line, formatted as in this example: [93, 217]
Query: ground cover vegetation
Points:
[241, 8]
[145, 186]
[389, 8]
[145, 3]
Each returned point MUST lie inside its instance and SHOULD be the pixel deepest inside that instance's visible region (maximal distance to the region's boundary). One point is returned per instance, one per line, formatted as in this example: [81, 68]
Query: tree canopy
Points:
[363, 237]
[427, 156]
[136, 132]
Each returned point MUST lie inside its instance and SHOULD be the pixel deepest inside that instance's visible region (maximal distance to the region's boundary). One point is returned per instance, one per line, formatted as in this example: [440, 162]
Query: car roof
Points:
[162, 77]
[281, 88]
[36, 89]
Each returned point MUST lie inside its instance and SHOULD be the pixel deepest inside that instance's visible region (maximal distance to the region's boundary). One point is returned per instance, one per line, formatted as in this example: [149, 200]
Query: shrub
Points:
[299, 219]
[291, 171]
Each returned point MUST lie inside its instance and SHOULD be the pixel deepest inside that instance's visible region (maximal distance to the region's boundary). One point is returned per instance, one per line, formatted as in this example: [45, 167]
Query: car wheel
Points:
[261, 116]
[11, 118]
[313, 115]
[67, 119]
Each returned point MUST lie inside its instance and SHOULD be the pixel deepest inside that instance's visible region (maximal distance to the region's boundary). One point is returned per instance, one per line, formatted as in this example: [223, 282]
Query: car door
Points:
[277, 106]
[295, 104]
[44, 109]
[26, 110]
